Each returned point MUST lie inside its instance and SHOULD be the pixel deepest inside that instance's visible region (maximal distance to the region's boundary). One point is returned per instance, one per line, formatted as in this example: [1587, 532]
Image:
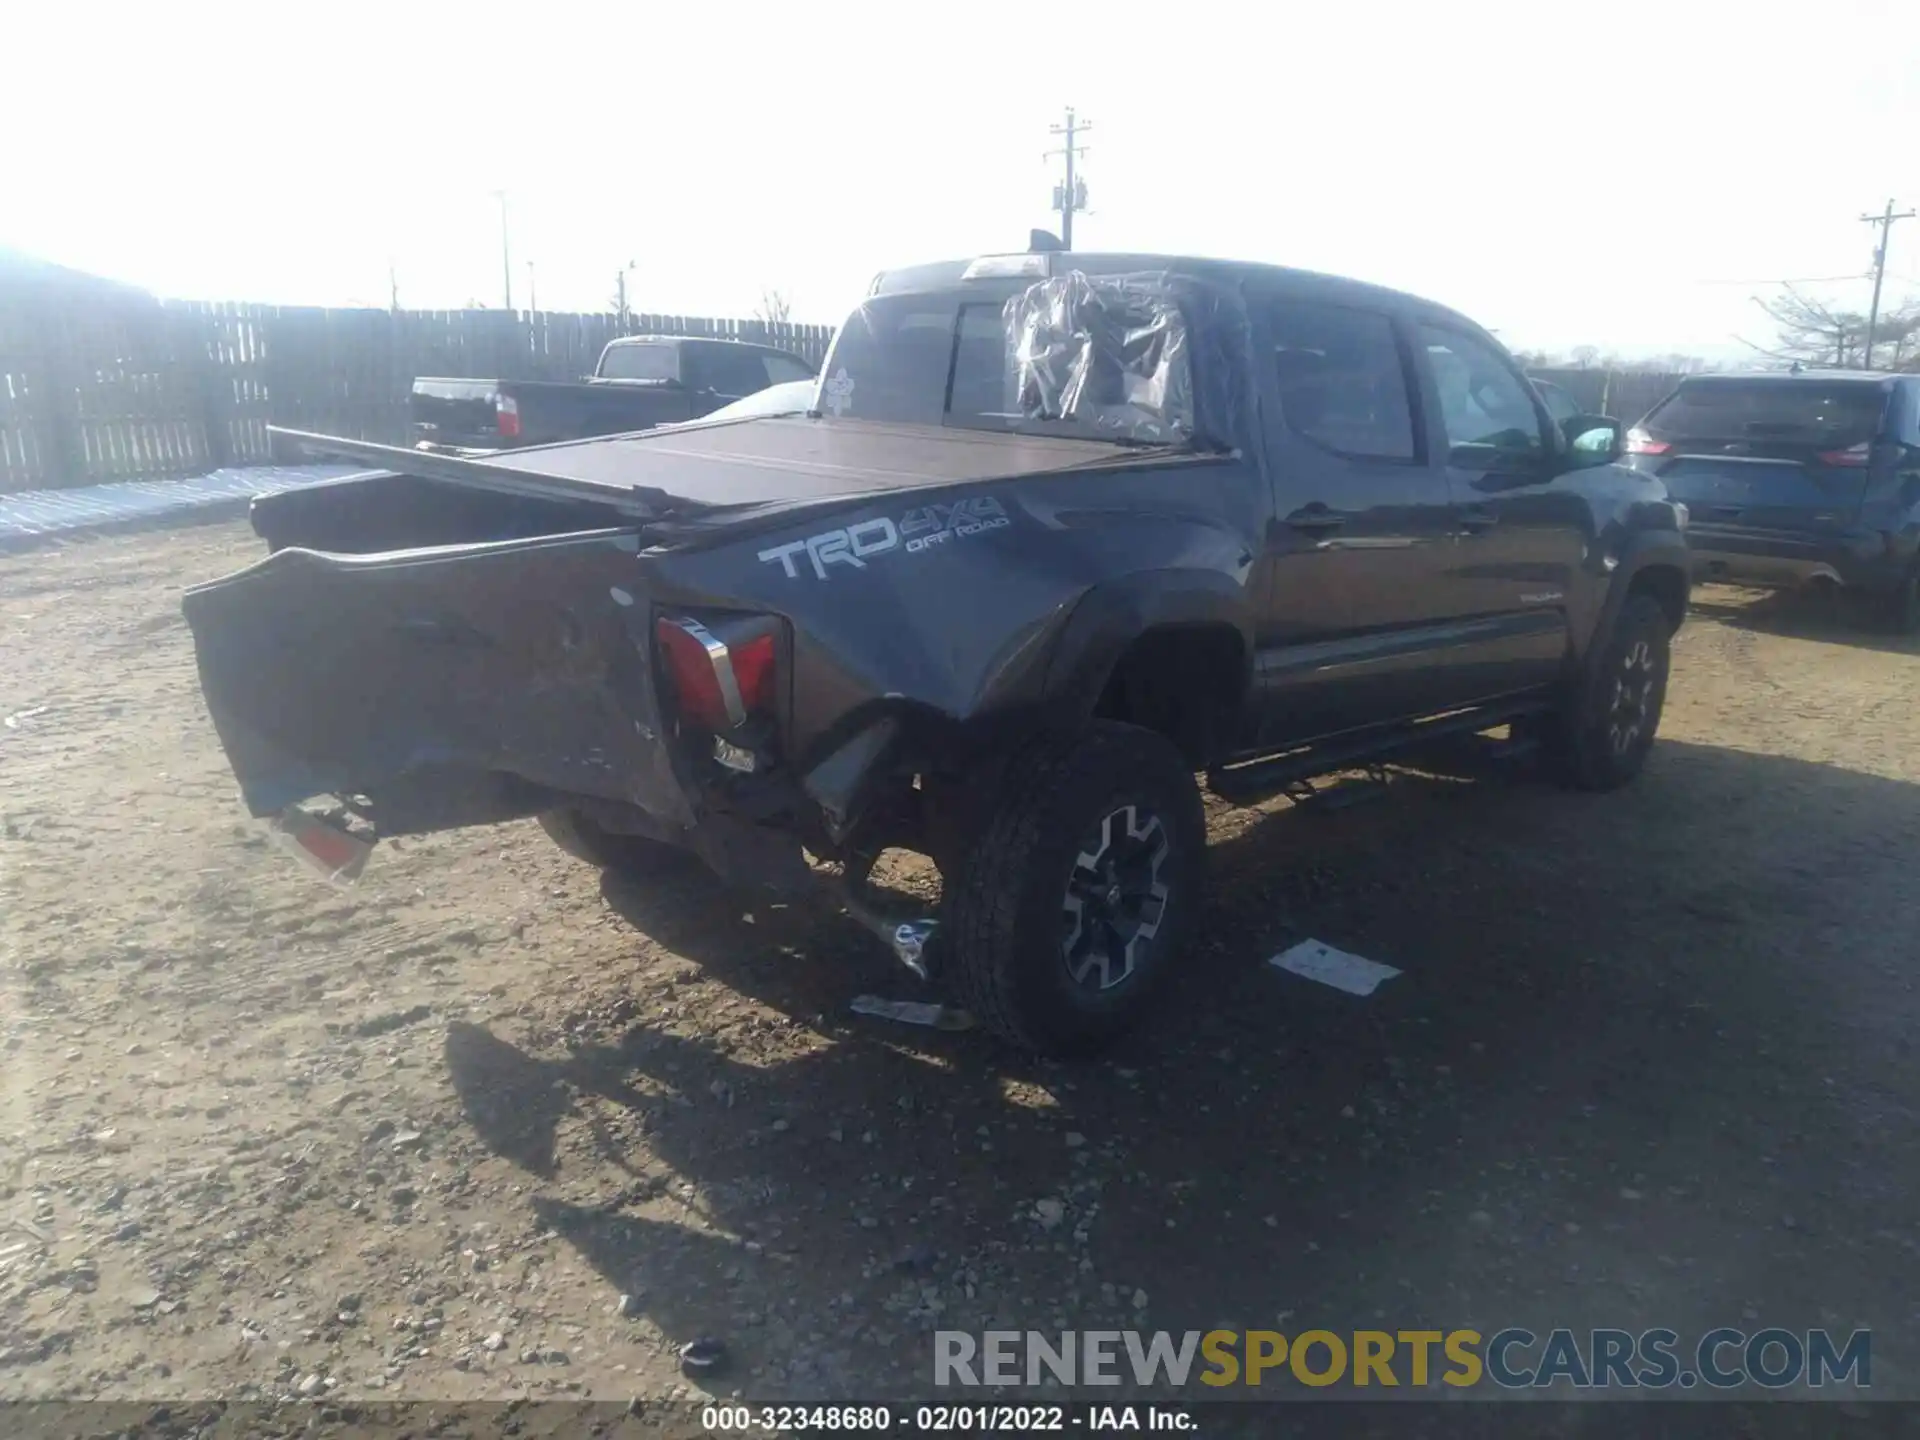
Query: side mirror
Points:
[1594, 439]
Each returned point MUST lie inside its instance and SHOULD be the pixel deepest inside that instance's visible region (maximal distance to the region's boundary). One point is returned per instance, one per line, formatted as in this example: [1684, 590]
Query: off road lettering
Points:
[921, 528]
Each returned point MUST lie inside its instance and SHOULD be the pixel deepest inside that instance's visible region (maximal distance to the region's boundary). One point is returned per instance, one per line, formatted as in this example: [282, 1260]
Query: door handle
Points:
[1316, 519]
[1477, 518]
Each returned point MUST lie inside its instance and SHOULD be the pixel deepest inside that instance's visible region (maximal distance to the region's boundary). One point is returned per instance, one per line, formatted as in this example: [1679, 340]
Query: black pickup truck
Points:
[641, 381]
[1061, 531]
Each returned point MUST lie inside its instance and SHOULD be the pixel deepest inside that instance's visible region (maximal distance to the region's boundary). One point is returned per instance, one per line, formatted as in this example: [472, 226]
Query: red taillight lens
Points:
[506, 415]
[716, 684]
[1853, 455]
[1639, 442]
[753, 672]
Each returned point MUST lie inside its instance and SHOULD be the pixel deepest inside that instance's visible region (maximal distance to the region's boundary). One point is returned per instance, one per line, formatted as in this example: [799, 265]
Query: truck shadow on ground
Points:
[1638, 1071]
[1832, 619]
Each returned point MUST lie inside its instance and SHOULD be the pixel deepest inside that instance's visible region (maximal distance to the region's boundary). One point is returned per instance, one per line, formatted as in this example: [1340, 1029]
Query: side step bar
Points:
[1260, 779]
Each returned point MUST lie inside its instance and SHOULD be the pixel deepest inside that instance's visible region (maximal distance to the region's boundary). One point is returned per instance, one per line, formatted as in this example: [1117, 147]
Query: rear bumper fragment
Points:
[1857, 559]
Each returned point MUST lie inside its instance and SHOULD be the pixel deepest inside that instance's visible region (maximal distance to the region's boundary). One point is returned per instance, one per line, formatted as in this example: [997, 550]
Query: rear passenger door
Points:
[1520, 538]
[1356, 548]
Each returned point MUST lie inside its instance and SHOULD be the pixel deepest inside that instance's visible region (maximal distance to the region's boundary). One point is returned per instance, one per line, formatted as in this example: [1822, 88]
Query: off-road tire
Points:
[634, 856]
[1014, 915]
[1600, 738]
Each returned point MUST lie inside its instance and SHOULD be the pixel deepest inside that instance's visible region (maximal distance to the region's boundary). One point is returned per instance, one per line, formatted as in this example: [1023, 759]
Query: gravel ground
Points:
[486, 1126]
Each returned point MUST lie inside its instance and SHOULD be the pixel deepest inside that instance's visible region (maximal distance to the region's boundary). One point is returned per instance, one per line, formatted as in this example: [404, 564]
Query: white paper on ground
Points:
[913, 1012]
[1316, 960]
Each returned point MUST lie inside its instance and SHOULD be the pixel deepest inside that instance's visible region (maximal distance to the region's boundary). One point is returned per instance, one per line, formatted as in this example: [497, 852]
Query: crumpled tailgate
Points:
[456, 685]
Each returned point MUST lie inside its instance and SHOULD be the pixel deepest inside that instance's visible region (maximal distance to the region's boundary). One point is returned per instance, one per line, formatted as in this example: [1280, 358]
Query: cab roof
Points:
[1772, 377]
[952, 274]
[620, 342]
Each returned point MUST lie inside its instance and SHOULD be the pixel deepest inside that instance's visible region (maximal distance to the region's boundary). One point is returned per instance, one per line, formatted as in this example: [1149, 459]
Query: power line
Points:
[1071, 197]
[1885, 221]
[1797, 280]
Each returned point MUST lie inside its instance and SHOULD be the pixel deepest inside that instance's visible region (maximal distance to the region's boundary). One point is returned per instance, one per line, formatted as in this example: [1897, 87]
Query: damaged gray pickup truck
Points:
[1060, 532]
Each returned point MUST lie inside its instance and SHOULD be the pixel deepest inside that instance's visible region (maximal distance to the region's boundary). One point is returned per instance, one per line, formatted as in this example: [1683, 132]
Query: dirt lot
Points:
[484, 1127]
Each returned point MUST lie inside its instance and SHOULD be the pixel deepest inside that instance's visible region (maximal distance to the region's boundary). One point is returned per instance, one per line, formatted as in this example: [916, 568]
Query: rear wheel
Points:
[631, 855]
[1600, 739]
[1070, 906]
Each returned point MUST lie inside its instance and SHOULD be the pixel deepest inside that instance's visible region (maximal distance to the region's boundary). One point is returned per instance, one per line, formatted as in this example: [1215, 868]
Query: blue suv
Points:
[1796, 479]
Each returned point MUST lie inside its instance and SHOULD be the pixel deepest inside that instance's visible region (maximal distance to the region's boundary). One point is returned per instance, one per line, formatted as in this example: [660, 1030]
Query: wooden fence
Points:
[121, 387]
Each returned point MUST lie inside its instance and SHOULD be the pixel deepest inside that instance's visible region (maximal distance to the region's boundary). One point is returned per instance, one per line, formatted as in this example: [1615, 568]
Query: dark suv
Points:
[1796, 479]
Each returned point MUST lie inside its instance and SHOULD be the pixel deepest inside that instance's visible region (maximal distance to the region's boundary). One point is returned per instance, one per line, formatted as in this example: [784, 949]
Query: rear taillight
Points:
[1853, 455]
[1639, 442]
[717, 683]
[506, 416]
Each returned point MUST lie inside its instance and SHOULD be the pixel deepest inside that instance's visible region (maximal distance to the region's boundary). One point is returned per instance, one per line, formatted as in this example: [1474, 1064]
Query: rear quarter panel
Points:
[951, 604]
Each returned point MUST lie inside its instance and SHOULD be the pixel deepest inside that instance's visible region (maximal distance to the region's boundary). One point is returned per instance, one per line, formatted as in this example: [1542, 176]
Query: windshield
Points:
[1835, 413]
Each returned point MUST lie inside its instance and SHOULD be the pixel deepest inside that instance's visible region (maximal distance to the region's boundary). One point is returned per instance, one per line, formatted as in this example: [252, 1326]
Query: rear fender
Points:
[1892, 506]
[1111, 616]
[850, 764]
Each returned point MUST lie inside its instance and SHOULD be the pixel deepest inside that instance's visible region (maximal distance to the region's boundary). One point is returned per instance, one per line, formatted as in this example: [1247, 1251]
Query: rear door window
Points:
[1826, 414]
[1342, 380]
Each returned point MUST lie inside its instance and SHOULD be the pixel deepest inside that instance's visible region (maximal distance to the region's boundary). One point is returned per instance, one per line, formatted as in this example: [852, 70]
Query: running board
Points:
[1259, 779]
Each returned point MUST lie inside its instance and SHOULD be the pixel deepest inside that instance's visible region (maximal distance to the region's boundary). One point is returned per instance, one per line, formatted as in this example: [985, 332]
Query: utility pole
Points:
[506, 260]
[620, 293]
[393, 286]
[1885, 221]
[1072, 196]
[533, 295]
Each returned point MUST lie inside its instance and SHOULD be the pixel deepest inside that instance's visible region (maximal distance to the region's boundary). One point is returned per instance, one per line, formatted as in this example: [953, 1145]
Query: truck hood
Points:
[760, 463]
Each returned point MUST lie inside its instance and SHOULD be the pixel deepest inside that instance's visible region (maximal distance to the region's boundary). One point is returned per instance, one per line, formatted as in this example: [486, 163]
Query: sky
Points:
[1626, 175]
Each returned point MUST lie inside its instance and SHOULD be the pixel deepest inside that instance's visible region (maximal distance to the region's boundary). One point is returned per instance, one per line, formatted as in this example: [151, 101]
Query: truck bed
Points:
[764, 462]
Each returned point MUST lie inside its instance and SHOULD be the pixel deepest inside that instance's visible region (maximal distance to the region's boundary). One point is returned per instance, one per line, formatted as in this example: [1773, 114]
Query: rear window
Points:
[639, 362]
[1834, 413]
[927, 364]
[1101, 358]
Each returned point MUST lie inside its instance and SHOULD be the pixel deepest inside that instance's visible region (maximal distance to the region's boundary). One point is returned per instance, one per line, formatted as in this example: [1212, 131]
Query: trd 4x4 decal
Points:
[917, 531]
